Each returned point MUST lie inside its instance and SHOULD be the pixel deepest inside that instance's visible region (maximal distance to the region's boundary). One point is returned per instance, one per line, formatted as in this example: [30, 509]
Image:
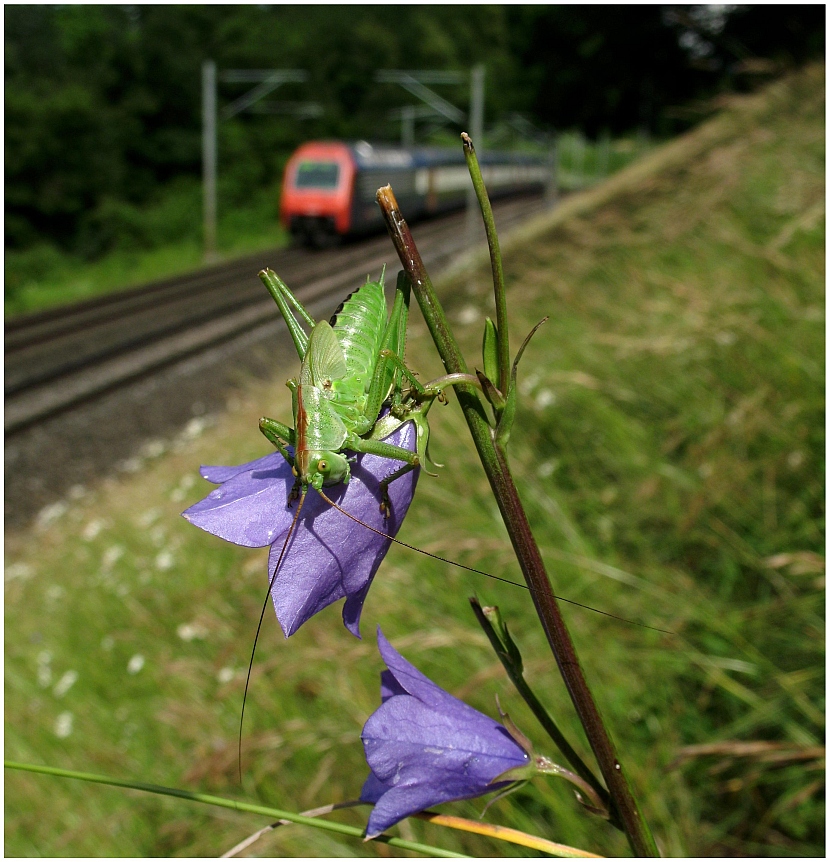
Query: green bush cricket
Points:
[351, 366]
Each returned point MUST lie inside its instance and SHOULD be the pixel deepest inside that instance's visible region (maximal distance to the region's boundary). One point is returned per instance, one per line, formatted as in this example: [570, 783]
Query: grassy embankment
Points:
[164, 238]
[670, 450]
[155, 241]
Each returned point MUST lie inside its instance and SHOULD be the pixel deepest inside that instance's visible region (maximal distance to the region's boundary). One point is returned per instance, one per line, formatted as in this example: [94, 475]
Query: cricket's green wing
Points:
[324, 361]
[325, 430]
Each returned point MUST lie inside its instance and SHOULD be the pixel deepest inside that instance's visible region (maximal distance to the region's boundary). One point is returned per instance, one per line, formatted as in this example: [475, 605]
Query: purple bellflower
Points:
[329, 556]
[425, 746]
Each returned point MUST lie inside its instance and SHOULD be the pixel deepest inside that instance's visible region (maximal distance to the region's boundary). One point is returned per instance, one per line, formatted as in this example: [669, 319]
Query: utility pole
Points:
[407, 125]
[415, 82]
[268, 81]
[552, 185]
[209, 158]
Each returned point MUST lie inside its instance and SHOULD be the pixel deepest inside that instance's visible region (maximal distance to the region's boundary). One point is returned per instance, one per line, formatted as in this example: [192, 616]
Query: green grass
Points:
[157, 241]
[670, 451]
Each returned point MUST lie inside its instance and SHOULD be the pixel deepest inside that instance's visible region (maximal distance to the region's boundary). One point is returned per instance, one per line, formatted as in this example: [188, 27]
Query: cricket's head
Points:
[317, 468]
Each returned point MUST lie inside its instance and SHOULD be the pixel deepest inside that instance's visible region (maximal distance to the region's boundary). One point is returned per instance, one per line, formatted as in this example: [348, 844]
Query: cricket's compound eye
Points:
[328, 470]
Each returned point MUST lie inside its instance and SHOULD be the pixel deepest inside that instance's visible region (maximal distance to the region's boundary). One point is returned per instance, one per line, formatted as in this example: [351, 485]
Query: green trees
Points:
[103, 102]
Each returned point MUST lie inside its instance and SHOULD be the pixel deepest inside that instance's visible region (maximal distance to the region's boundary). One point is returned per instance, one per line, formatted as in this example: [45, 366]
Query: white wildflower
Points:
[191, 631]
[528, 383]
[92, 529]
[18, 571]
[544, 399]
[66, 682]
[135, 664]
[148, 518]
[51, 513]
[194, 428]
[129, 465]
[63, 725]
[547, 468]
[467, 315]
[111, 556]
[795, 459]
[164, 561]
[153, 448]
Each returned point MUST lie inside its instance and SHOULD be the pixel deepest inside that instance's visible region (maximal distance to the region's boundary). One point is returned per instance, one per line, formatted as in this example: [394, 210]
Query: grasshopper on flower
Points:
[351, 366]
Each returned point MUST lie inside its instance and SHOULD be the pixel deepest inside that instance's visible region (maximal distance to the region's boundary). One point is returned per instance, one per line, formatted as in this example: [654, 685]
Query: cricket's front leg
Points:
[385, 450]
[280, 435]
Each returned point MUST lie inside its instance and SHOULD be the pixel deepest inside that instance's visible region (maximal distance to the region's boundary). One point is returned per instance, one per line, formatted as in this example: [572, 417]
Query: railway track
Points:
[85, 384]
[60, 358]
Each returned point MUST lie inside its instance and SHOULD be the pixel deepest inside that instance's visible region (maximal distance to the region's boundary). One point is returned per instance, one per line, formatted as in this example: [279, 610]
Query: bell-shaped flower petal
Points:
[329, 556]
[425, 746]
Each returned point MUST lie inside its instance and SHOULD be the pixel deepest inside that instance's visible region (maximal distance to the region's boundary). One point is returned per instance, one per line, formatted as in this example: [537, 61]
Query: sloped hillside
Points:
[670, 450]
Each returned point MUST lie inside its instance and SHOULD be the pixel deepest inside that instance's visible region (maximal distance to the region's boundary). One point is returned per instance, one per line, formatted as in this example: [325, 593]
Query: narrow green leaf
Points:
[490, 392]
[509, 414]
[490, 351]
[508, 645]
[274, 813]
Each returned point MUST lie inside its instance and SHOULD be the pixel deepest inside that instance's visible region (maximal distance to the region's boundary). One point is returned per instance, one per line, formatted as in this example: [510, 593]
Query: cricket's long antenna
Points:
[259, 626]
[480, 572]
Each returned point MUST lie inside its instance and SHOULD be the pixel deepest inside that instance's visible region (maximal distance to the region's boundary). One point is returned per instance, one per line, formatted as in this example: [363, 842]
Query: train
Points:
[328, 190]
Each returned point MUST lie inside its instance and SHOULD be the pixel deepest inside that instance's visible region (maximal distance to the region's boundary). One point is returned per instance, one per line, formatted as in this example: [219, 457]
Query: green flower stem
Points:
[273, 813]
[494, 460]
[542, 715]
[495, 262]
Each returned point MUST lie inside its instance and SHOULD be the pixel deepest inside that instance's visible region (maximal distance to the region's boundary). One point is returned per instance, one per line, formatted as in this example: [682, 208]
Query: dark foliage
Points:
[619, 67]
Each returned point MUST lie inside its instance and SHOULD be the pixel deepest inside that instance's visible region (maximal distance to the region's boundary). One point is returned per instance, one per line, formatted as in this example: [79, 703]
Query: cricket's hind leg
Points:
[290, 308]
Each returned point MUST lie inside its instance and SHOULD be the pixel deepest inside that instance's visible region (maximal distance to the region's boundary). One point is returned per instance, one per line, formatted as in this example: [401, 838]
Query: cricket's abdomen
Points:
[359, 324]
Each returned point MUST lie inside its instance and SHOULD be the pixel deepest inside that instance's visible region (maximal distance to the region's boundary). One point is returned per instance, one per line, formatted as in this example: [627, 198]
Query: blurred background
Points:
[669, 445]
[103, 107]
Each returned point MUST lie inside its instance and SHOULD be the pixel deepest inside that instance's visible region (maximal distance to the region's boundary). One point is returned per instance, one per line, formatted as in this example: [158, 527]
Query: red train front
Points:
[317, 192]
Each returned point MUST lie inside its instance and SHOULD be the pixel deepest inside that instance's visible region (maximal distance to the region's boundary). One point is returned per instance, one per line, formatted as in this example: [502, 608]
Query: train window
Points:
[317, 175]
